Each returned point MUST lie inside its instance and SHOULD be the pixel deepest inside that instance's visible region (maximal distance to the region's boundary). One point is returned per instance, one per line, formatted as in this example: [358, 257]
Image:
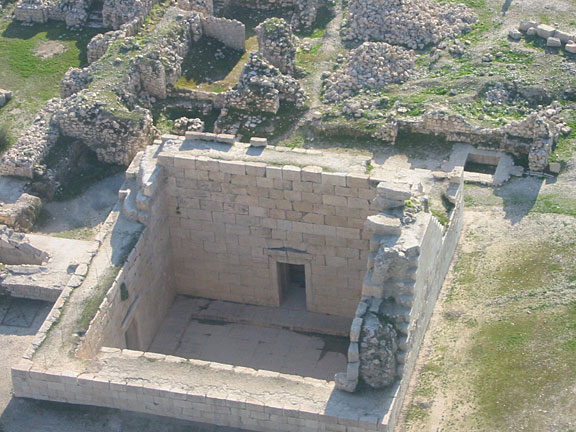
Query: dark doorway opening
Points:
[132, 341]
[292, 281]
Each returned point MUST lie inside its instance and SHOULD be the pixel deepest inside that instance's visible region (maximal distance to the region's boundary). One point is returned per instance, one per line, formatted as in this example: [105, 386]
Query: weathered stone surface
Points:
[22, 214]
[553, 42]
[5, 96]
[382, 224]
[185, 124]
[277, 45]
[371, 66]
[545, 31]
[414, 24]
[378, 346]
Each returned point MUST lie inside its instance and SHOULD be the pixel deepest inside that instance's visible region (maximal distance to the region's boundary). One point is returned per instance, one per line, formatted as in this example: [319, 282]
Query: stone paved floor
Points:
[257, 347]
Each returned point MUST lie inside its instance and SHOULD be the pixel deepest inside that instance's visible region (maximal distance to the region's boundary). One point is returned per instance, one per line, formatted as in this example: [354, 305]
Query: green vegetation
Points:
[92, 304]
[34, 79]
[522, 360]
[83, 233]
[213, 75]
[309, 60]
[5, 138]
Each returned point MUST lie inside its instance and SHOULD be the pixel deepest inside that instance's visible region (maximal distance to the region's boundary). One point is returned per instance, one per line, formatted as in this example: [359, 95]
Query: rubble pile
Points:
[410, 23]
[371, 66]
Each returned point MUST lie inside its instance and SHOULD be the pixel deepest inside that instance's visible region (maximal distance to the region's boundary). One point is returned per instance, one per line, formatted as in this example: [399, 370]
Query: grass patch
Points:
[213, 74]
[5, 138]
[555, 204]
[84, 233]
[521, 362]
[35, 80]
[92, 304]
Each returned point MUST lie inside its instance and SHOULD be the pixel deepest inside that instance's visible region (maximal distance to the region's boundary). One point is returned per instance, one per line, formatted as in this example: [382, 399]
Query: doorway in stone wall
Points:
[131, 336]
[292, 282]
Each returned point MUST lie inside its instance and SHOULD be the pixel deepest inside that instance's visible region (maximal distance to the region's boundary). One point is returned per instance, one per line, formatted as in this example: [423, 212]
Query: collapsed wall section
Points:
[232, 222]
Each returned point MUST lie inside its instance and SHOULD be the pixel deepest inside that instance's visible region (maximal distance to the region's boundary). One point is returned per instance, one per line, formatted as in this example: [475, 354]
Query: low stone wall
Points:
[217, 100]
[200, 403]
[15, 248]
[532, 138]
[554, 37]
[230, 32]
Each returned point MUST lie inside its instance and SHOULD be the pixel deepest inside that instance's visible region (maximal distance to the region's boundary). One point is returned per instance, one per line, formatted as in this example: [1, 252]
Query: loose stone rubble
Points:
[371, 67]
[185, 124]
[414, 24]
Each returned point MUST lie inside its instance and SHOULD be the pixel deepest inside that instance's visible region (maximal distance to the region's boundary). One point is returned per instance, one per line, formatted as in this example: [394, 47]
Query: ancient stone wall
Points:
[189, 401]
[141, 294]
[232, 222]
[405, 274]
[230, 32]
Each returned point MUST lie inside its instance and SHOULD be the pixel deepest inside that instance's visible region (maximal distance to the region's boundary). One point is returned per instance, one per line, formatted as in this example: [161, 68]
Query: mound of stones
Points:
[277, 45]
[371, 66]
[410, 23]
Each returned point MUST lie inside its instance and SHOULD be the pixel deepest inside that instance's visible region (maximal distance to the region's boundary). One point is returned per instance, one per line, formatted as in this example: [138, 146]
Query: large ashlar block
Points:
[383, 224]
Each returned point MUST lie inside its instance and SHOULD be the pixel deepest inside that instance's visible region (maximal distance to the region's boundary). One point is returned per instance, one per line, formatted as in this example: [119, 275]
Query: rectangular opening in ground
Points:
[292, 283]
[481, 163]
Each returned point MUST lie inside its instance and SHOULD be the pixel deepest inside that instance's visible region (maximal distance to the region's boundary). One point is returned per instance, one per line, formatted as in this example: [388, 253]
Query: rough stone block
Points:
[545, 31]
[355, 329]
[382, 224]
[334, 179]
[258, 142]
[395, 191]
[291, 173]
[525, 25]
[553, 42]
[571, 48]
[312, 174]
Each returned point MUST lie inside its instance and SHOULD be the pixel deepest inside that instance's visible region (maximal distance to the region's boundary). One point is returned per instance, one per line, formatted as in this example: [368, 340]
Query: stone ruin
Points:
[413, 24]
[371, 66]
[229, 218]
[277, 45]
[5, 97]
[555, 38]
[15, 248]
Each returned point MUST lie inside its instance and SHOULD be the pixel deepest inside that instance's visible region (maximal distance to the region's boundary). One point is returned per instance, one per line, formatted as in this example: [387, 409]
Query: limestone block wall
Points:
[148, 279]
[232, 222]
[186, 401]
[230, 32]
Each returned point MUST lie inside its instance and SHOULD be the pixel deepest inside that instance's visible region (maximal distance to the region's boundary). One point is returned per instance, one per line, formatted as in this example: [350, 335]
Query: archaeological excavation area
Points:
[287, 215]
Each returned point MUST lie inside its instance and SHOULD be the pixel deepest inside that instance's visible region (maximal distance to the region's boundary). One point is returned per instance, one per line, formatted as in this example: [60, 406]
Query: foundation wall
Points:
[148, 280]
[232, 222]
[212, 406]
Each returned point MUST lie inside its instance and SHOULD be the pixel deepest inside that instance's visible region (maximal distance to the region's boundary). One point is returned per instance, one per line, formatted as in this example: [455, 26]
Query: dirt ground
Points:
[500, 353]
